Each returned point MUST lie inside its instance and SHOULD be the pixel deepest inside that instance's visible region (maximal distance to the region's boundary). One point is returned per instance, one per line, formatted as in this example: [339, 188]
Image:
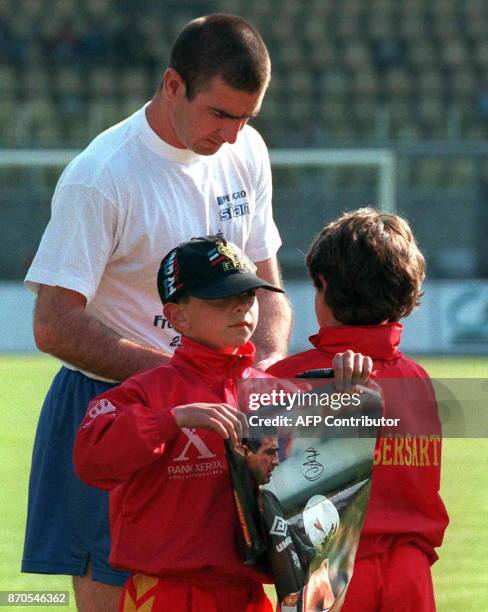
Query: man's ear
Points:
[177, 316]
[173, 85]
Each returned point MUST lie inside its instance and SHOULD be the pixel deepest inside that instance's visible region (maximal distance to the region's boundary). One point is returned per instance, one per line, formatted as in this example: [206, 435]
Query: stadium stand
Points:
[359, 73]
[423, 64]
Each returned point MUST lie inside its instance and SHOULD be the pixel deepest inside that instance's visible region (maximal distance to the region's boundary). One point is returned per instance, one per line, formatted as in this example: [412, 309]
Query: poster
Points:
[302, 483]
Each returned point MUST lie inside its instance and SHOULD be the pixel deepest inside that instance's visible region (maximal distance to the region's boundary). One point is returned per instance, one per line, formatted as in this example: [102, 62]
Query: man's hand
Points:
[351, 369]
[227, 421]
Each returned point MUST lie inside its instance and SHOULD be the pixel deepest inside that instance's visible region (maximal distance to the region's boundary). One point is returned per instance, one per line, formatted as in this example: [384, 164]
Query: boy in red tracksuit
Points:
[368, 273]
[156, 443]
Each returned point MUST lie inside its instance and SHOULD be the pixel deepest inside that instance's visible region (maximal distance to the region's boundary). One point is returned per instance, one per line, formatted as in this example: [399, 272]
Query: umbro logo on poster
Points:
[280, 527]
[194, 440]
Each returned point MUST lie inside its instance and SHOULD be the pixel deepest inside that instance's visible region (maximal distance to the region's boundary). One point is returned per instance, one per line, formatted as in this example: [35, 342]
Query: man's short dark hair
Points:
[258, 434]
[221, 45]
[372, 266]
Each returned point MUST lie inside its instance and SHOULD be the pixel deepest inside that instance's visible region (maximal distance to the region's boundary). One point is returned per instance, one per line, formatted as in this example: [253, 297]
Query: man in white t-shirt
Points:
[187, 164]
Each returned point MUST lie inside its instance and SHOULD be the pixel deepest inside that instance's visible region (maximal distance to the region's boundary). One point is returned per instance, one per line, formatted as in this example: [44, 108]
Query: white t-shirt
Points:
[128, 199]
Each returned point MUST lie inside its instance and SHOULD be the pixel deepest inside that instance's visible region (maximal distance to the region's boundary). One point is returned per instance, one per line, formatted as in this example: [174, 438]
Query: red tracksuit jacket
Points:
[405, 500]
[171, 507]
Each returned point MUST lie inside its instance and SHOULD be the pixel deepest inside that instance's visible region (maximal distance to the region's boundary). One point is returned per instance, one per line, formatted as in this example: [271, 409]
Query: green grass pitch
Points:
[461, 574]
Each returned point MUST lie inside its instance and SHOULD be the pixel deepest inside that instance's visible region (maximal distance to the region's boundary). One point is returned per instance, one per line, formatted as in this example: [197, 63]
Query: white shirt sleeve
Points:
[264, 239]
[78, 241]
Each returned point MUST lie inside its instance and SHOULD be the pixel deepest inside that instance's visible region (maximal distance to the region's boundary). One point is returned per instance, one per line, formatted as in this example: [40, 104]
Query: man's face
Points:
[214, 116]
[264, 460]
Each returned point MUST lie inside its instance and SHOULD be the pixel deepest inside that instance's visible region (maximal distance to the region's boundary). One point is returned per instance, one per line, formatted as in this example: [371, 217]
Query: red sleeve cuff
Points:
[168, 424]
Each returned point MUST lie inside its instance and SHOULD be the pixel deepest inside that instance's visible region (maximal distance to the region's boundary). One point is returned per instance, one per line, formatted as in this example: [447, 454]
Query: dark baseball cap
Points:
[209, 268]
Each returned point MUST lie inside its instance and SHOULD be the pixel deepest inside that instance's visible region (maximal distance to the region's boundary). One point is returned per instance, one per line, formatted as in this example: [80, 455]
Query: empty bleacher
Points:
[363, 72]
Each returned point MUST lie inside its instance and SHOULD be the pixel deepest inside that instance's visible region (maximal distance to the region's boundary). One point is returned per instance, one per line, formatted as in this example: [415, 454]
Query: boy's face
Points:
[224, 324]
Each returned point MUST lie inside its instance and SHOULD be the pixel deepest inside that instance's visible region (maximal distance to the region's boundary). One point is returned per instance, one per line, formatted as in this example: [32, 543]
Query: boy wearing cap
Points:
[368, 273]
[156, 442]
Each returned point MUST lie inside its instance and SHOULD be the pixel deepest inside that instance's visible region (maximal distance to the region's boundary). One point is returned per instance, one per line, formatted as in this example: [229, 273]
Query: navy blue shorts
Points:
[67, 521]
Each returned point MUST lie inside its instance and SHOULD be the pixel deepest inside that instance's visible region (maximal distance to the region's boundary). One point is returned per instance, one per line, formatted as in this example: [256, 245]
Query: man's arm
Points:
[273, 331]
[63, 329]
